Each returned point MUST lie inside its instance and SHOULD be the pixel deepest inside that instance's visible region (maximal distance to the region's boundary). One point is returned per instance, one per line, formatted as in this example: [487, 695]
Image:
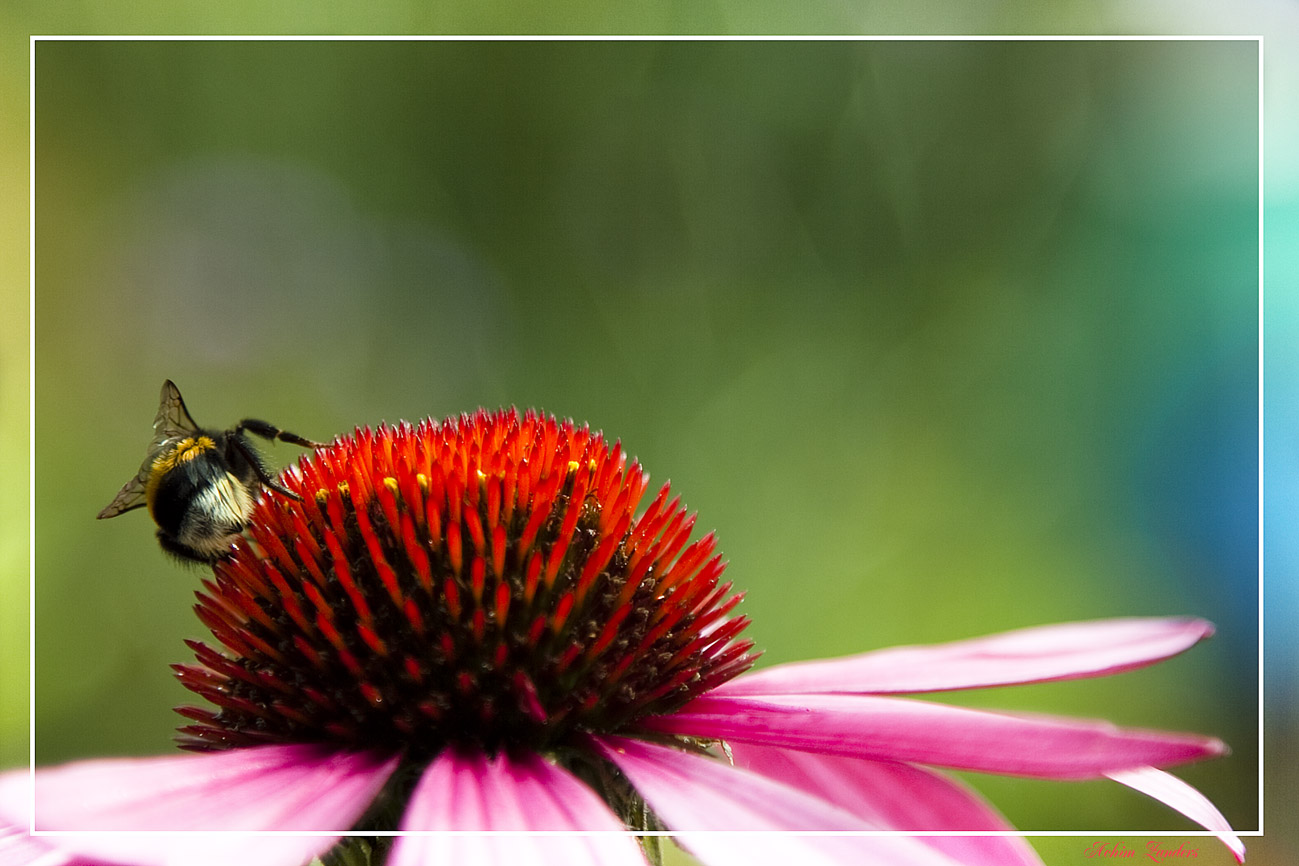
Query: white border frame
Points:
[36, 38]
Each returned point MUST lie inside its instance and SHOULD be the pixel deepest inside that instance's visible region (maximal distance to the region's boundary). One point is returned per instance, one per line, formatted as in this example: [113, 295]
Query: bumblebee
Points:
[200, 484]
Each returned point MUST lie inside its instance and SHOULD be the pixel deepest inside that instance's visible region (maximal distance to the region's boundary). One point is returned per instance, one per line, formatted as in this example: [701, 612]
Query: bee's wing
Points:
[172, 421]
[130, 496]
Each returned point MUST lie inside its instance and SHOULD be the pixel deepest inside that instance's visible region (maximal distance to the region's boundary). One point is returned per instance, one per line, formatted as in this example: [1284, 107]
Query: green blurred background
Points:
[942, 338]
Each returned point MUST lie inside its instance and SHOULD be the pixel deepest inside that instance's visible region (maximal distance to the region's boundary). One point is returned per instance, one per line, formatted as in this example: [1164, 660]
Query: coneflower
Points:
[482, 625]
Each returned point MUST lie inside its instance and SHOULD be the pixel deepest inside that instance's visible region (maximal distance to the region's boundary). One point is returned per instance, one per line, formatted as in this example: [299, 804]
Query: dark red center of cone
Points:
[481, 581]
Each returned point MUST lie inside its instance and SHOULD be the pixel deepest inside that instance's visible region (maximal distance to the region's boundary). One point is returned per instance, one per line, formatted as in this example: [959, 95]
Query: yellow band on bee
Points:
[186, 449]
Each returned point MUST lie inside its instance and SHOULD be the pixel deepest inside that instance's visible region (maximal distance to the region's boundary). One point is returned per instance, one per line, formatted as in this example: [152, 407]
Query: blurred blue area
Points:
[1281, 441]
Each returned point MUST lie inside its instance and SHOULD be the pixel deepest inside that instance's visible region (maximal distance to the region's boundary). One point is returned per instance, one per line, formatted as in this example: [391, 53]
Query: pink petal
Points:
[1173, 792]
[1031, 655]
[696, 796]
[18, 847]
[899, 797]
[913, 731]
[470, 792]
[306, 788]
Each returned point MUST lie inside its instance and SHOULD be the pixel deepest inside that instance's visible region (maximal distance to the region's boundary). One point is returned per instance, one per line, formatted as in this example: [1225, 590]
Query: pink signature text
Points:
[1155, 851]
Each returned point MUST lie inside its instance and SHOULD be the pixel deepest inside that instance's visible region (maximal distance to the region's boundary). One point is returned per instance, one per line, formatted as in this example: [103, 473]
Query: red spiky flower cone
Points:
[482, 581]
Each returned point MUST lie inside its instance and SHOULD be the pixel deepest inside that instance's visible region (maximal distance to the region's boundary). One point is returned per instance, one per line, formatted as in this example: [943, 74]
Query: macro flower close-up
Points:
[494, 623]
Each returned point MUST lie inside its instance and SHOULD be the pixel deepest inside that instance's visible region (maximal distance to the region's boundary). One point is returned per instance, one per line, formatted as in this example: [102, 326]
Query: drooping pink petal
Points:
[921, 732]
[1031, 655]
[899, 797]
[1173, 792]
[464, 791]
[307, 788]
[697, 796]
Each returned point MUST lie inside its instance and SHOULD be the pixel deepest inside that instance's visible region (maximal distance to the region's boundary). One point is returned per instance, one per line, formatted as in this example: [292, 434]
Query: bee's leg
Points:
[271, 432]
[255, 461]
